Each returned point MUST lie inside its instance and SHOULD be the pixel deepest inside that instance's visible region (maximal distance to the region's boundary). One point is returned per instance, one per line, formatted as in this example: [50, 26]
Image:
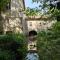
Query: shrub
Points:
[48, 43]
[13, 47]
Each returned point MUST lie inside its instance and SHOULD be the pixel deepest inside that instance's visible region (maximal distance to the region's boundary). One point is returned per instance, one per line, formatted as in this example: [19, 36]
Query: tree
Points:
[32, 11]
[48, 43]
[3, 4]
[53, 7]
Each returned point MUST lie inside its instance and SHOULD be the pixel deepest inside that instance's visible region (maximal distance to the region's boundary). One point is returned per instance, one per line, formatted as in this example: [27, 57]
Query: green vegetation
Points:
[3, 4]
[32, 11]
[48, 43]
[13, 47]
[49, 8]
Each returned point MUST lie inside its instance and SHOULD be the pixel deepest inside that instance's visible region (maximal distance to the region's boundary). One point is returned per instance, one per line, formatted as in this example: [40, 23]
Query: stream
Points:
[32, 56]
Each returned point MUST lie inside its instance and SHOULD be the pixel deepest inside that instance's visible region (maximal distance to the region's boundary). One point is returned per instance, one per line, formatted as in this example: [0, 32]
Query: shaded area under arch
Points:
[32, 33]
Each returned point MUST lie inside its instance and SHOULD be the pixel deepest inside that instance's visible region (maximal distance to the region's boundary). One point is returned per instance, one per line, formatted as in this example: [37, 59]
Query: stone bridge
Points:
[38, 23]
[32, 26]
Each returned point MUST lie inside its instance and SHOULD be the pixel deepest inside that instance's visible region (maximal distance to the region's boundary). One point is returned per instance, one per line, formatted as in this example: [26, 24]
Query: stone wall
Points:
[13, 18]
[39, 25]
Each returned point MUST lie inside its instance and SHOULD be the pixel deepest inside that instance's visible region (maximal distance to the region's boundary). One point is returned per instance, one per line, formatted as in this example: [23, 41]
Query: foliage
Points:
[49, 43]
[32, 11]
[43, 3]
[3, 4]
[6, 55]
[49, 8]
[12, 47]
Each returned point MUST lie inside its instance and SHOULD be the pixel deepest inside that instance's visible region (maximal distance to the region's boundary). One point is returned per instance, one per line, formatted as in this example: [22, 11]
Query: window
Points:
[30, 23]
[40, 24]
[8, 6]
[9, 32]
[44, 23]
[1, 32]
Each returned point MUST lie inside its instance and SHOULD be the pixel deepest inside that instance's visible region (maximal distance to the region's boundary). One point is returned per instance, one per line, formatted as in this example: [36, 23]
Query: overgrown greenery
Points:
[13, 47]
[32, 11]
[3, 4]
[49, 43]
[49, 8]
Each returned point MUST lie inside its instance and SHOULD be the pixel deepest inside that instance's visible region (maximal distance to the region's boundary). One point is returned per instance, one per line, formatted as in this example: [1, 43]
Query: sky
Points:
[29, 3]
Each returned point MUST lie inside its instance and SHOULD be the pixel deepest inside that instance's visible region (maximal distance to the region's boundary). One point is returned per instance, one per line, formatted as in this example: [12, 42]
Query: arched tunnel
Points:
[32, 33]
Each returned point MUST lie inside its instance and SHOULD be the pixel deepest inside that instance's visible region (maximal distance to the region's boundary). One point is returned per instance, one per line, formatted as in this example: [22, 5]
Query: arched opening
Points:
[32, 33]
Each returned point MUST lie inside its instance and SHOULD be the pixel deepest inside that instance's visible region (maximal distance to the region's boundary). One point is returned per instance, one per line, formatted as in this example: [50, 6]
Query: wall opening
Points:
[32, 33]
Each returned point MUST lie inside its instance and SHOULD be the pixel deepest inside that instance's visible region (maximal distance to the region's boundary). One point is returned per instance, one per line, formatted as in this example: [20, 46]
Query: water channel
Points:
[32, 47]
[32, 56]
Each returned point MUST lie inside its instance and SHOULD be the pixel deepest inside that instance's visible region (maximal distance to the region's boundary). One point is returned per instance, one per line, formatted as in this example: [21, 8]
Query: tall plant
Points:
[49, 43]
[13, 47]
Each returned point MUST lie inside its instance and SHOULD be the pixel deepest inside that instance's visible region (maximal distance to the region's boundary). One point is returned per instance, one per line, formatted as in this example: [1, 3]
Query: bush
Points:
[6, 55]
[48, 43]
[13, 47]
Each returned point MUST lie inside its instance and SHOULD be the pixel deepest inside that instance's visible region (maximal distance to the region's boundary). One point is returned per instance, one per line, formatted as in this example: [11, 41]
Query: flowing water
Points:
[32, 56]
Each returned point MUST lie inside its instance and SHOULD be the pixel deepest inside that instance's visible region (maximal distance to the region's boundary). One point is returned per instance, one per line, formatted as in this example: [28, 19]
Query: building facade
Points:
[38, 23]
[16, 21]
[13, 17]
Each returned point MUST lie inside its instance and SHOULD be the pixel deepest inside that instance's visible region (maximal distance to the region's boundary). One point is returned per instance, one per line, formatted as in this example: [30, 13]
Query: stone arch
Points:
[32, 40]
[32, 33]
